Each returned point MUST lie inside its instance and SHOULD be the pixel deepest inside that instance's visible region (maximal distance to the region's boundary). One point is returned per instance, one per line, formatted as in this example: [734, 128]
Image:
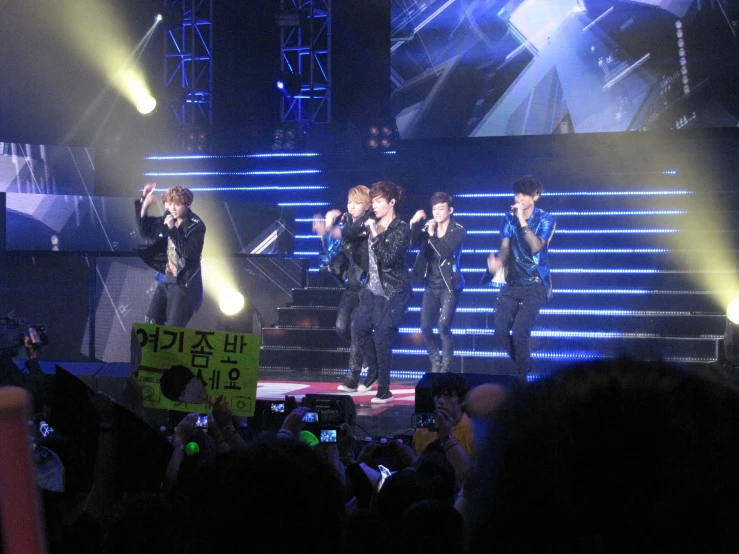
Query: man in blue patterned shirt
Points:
[525, 235]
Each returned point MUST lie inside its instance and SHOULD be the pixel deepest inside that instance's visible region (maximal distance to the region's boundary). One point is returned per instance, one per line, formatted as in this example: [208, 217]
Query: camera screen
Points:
[44, 429]
[278, 407]
[310, 417]
[425, 421]
[328, 435]
[202, 422]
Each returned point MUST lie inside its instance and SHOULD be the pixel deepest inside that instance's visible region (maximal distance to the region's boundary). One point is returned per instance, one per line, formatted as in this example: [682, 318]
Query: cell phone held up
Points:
[202, 422]
[424, 420]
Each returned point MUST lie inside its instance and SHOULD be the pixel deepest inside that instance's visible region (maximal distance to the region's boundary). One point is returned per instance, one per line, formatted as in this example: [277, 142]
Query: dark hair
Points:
[174, 381]
[612, 456]
[442, 198]
[528, 185]
[388, 190]
[450, 384]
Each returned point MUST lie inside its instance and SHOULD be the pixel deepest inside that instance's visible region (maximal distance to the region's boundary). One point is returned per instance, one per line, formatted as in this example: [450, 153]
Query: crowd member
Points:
[349, 261]
[454, 426]
[175, 251]
[437, 267]
[612, 456]
[384, 300]
[525, 235]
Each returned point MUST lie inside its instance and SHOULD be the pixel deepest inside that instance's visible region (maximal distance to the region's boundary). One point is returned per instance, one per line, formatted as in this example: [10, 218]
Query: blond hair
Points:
[361, 195]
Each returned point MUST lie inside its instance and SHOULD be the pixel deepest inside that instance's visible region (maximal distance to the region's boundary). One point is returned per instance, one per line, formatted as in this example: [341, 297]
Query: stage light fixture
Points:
[158, 18]
[146, 105]
[291, 84]
[381, 135]
[231, 302]
[731, 334]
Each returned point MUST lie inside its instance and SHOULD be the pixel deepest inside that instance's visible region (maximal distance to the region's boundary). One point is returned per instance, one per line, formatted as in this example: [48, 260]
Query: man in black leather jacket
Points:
[176, 247]
[384, 300]
[437, 267]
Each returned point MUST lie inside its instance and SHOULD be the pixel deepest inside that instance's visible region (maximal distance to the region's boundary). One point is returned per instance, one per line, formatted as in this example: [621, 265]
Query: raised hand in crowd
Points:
[293, 422]
[223, 424]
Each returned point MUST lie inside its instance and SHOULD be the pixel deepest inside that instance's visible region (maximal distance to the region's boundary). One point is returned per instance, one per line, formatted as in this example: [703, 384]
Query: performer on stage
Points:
[345, 240]
[525, 235]
[437, 266]
[384, 300]
[177, 247]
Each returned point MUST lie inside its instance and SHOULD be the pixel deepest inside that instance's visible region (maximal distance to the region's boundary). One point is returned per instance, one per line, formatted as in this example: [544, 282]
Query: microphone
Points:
[514, 211]
[344, 218]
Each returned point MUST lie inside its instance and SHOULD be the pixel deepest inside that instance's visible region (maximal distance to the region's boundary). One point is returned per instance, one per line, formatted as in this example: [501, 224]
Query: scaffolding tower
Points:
[305, 37]
[188, 69]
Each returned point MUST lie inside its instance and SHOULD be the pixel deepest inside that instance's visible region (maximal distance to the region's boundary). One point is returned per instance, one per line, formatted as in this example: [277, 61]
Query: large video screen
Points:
[479, 68]
[46, 169]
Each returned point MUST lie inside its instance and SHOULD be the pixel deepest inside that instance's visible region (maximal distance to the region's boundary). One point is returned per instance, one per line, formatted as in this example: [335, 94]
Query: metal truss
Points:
[188, 67]
[305, 35]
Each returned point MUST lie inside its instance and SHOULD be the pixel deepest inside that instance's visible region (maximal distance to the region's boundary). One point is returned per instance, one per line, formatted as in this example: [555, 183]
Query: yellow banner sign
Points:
[187, 370]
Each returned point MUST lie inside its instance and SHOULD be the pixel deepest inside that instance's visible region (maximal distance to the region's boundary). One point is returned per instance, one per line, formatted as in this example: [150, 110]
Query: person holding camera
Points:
[454, 427]
[177, 246]
[437, 267]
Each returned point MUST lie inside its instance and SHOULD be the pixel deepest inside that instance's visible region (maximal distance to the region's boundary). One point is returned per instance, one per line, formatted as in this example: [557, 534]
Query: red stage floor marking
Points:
[276, 390]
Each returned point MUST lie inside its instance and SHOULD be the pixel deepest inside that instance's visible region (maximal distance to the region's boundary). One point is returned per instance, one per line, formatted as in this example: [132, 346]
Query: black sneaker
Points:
[369, 382]
[383, 397]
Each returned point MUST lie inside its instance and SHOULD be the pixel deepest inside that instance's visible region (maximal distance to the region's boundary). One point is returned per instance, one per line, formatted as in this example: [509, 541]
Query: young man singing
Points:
[175, 251]
[525, 235]
[437, 267]
[384, 299]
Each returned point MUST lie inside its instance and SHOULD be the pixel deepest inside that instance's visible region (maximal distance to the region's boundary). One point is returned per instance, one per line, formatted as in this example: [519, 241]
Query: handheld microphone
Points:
[514, 211]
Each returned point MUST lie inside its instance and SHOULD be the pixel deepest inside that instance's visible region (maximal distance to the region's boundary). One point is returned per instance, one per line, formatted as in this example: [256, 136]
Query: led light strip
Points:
[583, 193]
[203, 157]
[588, 214]
[212, 173]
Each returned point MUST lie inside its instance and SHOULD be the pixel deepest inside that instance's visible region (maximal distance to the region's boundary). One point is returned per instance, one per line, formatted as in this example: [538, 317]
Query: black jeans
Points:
[435, 299]
[169, 306]
[375, 325]
[516, 311]
[348, 303]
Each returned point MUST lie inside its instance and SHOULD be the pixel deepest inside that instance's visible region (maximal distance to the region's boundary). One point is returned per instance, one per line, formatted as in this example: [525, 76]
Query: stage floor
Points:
[386, 420]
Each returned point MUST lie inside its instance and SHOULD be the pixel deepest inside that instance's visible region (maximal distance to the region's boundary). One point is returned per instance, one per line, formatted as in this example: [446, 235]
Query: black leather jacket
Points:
[188, 239]
[391, 248]
[444, 251]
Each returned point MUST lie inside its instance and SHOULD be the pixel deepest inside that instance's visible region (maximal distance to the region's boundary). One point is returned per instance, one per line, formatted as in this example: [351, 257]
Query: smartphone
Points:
[277, 407]
[44, 429]
[424, 420]
[310, 417]
[202, 422]
[328, 435]
[384, 474]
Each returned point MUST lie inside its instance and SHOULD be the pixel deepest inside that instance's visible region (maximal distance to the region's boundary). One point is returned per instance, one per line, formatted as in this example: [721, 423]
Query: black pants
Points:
[169, 306]
[375, 325]
[516, 311]
[435, 299]
[348, 303]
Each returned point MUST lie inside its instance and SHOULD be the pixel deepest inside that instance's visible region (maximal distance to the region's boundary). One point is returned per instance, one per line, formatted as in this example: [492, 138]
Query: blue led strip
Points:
[565, 355]
[307, 237]
[492, 290]
[582, 193]
[576, 250]
[253, 189]
[212, 173]
[586, 231]
[202, 157]
[597, 313]
[303, 204]
[621, 213]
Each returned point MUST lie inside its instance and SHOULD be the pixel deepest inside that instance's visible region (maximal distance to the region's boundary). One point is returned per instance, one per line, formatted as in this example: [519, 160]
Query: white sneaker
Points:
[344, 388]
[383, 399]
